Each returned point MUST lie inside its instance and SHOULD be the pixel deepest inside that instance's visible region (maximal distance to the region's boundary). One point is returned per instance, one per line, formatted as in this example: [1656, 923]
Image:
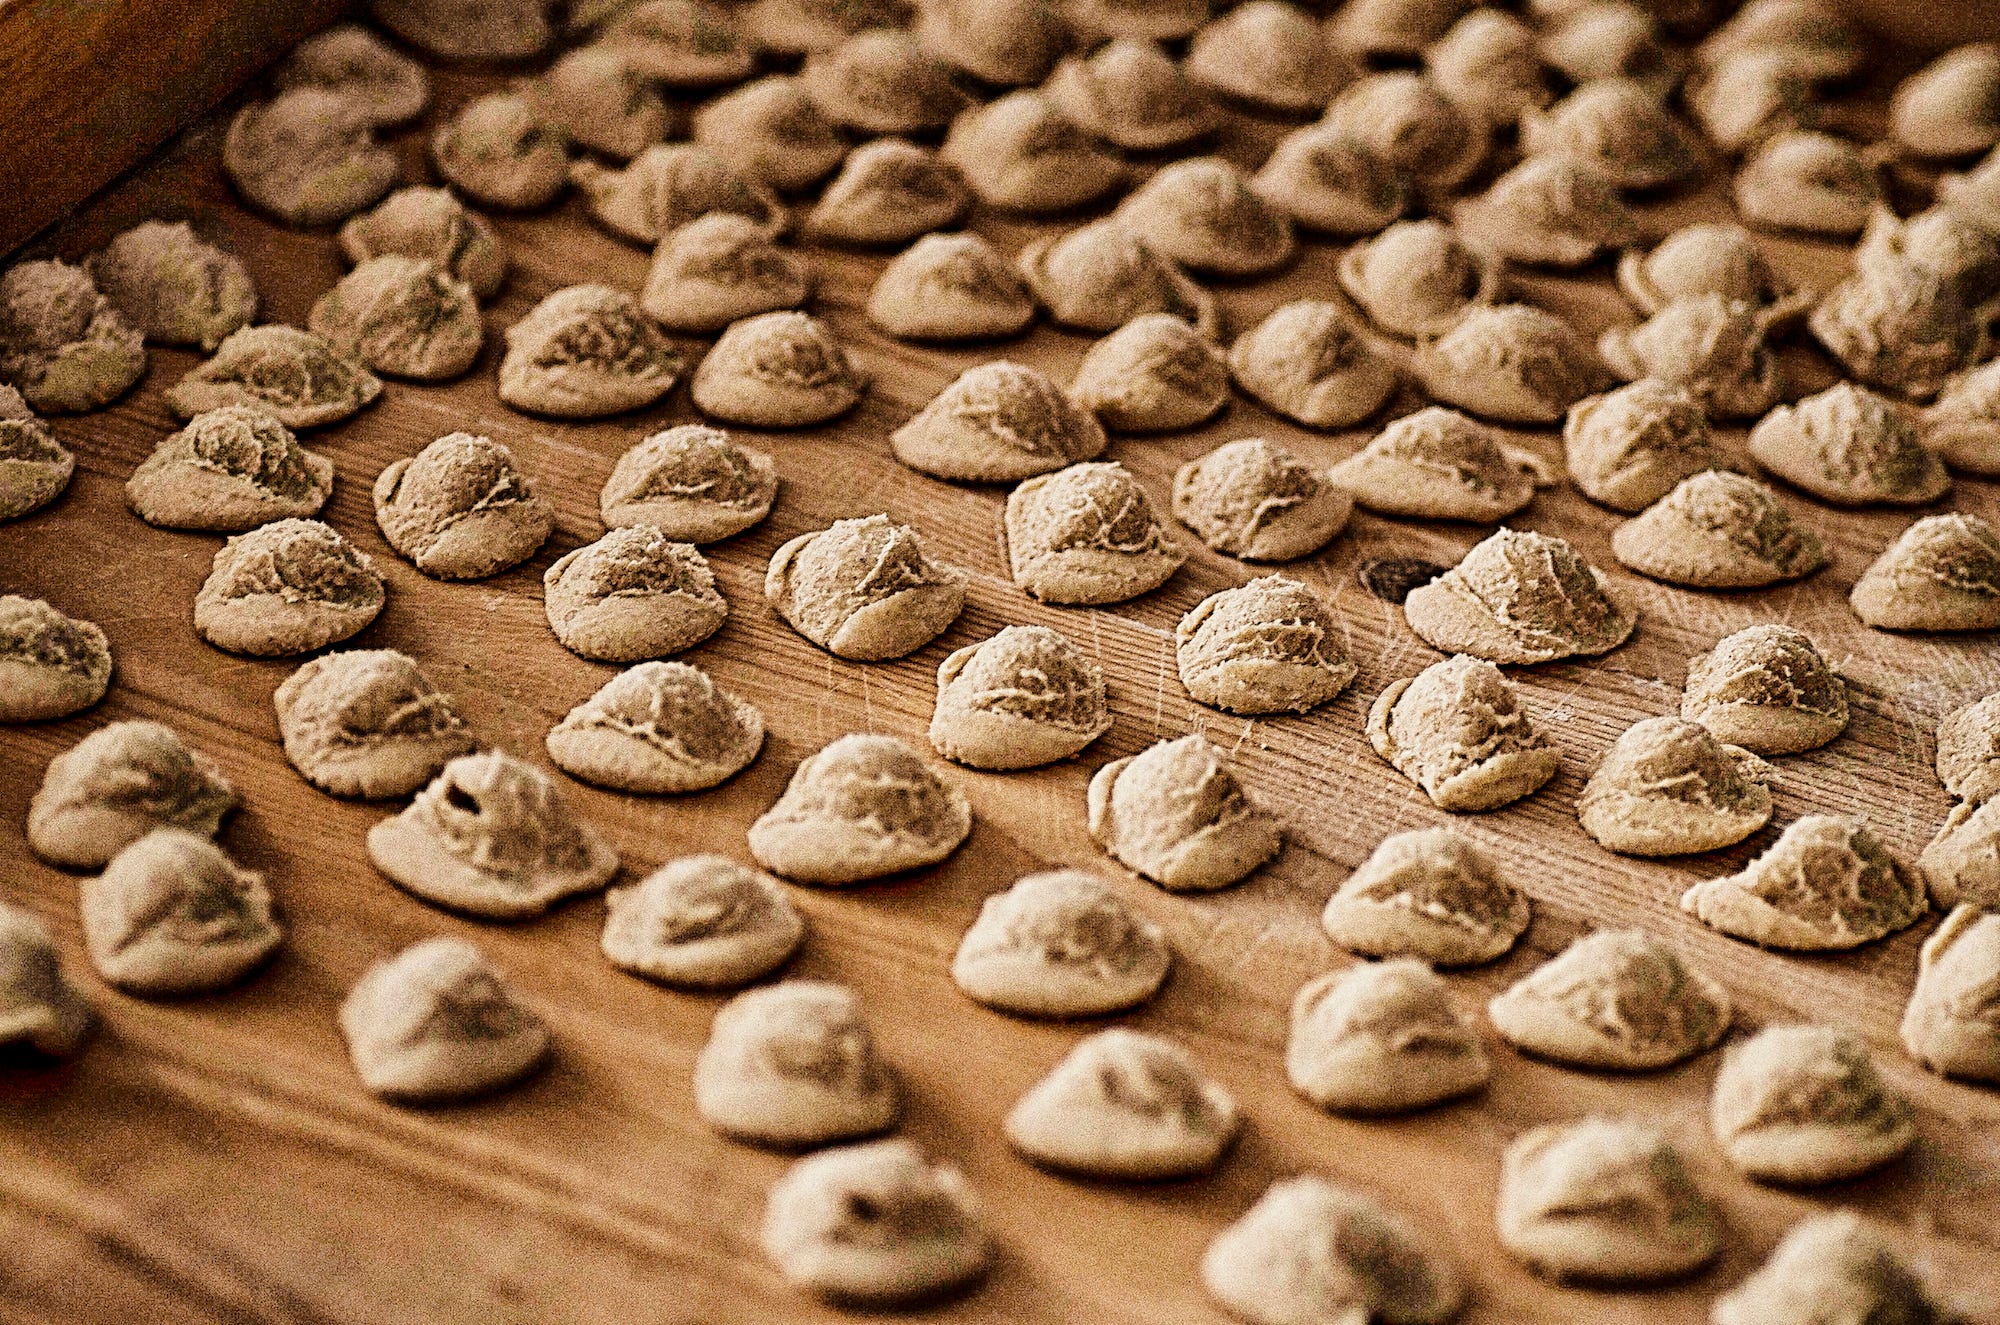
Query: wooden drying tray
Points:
[89, 87]
[214, 1159]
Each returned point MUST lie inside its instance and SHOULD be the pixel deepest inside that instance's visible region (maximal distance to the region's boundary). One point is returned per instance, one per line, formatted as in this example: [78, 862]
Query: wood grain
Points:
[215, 1159]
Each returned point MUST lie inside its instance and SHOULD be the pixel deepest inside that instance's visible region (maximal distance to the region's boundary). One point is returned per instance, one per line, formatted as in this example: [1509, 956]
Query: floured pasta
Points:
[295, 376]
[1941, 574]
[1806, 1104]
[1268, 53]
[584, 352]
[1458, 730]
[1522, 597]
[309, 157]
[175, 288]
[1814, 32]
[1768, 689]
[1629, 447]
[1177, 814]
[1001, 43]
[1100, 276]
[668, 185]
[1962, 427]
[1826, 884]
[1131, 94]
[1269, 646]
[1154, 374]
[717, 269]
[1719, 258]
[635, 593]
[1829, 1266]
[864, 589]
[404, 317]
[1311, 1251]
[1329, 184]
[1617, 999]
[1620, 127]
[701, 922]
[1592, 42]
[1952, 1023]
[1549, 211]
[228, 470]
[1667, 787]
[1899, 326]
[1951, 107]
[63, 345]
[438, 1022]
[35, 468]
[1393, 29]
[1713, 348]
[599, 100]
[1417, 278]
[882, 81]
[1019, 154]
[431, 224]
[1512, 363]
[460, 509]
[1437, 464]
[773, 132]
[1851, 447]
[1487, 64]
[1748, 97]
[39, 1009]
[681, 44]
[1060, 944]
[1025, 697]
[998, 422]
[951, 287]
[1968, 750]
[1382, 1037]
[499, 151]
[658, 728]
[1308, 362]
[469, 29]
[863, 807]
[51, 665]
[1937, 240]
[1126, 1105]
[1202, 213]
[1411, 126]
[1807, 181]
[693, 483]
[491, 836]
[368, 723]
[172, 915]
[288, 587]
[777, 370]
[794, 1065]
[876, 1223]
[349, 59]
[1255, 500]
[1432, 894]
[1087, 535]
[116, 785]
[1603, 1200]
[1718, 530]
[888, 191]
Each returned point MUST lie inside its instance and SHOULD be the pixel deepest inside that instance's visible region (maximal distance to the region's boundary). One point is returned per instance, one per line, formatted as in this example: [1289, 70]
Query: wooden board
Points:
[215, 1159]
[89, 87]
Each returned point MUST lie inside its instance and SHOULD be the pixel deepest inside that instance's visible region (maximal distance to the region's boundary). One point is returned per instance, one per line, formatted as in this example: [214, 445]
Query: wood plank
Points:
[88, 88]
[215, 1159]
